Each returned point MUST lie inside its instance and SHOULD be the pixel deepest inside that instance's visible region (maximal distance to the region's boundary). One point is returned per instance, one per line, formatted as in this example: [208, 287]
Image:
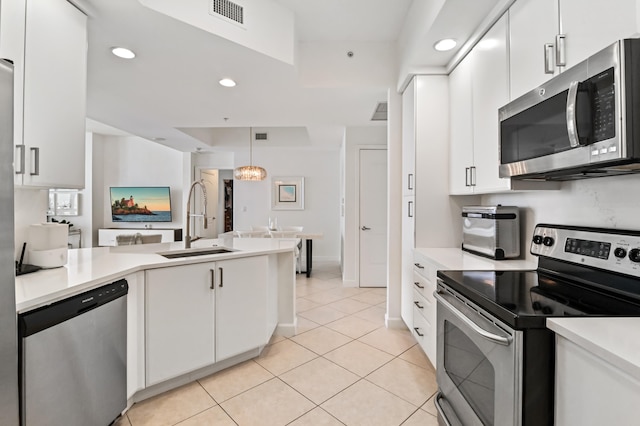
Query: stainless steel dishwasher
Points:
[73, 359]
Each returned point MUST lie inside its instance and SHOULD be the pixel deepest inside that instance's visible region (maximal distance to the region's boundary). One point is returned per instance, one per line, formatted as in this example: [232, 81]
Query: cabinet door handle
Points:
[410, 181]
[36, 161]
[410, 209]
[213, 279]
[418, 305]
[21, 148]
[548, 58]
[472, 173]
[417, 284]
[418, 331]
[561, 51]
[221, 277]
[466, 176]
[419, 266]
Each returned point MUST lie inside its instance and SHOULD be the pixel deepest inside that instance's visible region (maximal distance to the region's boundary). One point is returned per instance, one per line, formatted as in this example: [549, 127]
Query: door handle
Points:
[213, 279]
[365, 228]
[36, 164]
[410, 209]
[418, 304]
[21, 148]
[221, 277]
[561, 58]
[548, 58]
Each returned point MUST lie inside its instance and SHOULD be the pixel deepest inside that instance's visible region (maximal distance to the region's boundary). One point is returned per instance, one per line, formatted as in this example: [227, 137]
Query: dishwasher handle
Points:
[40, 319]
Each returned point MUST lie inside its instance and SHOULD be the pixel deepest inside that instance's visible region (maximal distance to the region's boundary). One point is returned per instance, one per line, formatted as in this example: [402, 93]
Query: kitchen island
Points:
[187, 317]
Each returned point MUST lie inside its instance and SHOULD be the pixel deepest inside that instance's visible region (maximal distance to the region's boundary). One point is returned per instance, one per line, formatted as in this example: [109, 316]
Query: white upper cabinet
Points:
[533, 25]
[478, 87]
[547, 36]
[409, 139]
[51, 152]
[461, 127]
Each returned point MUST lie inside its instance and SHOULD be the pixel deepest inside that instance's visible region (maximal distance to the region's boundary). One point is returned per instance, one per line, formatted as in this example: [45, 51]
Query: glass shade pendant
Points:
[250, 172]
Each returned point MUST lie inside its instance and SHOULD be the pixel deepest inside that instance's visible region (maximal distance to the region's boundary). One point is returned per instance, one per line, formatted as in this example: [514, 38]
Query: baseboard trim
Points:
[395, 322]
[349, 283]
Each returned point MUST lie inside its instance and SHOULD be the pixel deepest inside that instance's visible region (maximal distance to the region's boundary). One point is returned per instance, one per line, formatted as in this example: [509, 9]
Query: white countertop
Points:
[91, 267]
[612, 339]
[457, 259]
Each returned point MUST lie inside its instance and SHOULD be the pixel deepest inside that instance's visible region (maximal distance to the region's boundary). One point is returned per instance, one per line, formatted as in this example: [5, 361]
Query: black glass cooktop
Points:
[524, 299]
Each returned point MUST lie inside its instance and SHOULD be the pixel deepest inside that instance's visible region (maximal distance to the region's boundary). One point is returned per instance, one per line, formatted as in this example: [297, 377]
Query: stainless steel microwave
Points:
[584, 122]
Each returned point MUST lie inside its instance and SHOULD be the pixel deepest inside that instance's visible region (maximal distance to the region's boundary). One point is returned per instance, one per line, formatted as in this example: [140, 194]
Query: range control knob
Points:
[548, 241]
[537, 239]
[634, 255]
[620, 253]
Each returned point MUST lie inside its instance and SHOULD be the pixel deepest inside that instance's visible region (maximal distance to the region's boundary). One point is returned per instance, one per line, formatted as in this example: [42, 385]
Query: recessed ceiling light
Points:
[123, 52]
[445, 44]
[227, 82]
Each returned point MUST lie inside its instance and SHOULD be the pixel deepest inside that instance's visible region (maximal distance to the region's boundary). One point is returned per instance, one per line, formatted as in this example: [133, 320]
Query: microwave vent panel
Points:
[228, 10]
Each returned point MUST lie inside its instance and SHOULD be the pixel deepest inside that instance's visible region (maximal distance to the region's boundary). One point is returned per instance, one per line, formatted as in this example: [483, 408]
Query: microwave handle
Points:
[572, 126]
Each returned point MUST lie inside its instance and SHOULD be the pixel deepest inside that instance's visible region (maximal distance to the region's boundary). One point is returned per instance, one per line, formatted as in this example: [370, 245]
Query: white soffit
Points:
[267, 26]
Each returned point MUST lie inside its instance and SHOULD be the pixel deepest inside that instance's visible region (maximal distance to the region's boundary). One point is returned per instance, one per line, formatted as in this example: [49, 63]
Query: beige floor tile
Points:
[408, 381]
[430, 406]
[305, 325]
[389, 340]
[271, 403]
[349, 306]
[323, 315]
[319, 379]
[359, 358]
[321, 340]
[366, 404]
[370, 297]
[123, 421]
[415, 355]
[353, 326]
[380, 291]
[283, 356]
[213, 416]
[316, 417]
[171, 407]
[421, 418]
[374, 314]
[234, 380]
[304, 304]
[275, 339]
[324, 297]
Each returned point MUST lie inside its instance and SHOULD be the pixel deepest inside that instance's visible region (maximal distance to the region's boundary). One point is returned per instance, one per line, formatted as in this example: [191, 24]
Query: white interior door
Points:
[210, 177]
[373, 218]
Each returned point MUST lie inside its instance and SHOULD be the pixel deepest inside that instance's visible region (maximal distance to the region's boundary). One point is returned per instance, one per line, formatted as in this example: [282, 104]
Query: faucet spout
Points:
[200, 183]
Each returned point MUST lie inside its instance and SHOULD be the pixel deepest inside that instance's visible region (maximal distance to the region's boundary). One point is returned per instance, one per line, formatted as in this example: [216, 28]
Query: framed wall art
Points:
[287, 193]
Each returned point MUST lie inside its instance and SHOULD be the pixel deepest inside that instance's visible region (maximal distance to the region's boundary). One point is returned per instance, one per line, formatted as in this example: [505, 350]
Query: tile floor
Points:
[342, 368]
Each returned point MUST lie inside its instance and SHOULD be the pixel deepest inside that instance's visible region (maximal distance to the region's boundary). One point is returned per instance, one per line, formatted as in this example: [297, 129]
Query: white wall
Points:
[321, 171]
[611, 202]
[355, 139]
[133, 161]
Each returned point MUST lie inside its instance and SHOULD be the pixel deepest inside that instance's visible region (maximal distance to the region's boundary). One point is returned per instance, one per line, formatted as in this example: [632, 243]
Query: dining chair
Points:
[298, 246]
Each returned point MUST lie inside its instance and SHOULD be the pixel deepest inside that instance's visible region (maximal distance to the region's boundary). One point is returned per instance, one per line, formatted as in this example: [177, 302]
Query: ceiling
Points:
[170, 92]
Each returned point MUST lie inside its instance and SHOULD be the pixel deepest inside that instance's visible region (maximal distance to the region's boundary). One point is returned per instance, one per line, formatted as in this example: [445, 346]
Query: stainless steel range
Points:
[495, 356]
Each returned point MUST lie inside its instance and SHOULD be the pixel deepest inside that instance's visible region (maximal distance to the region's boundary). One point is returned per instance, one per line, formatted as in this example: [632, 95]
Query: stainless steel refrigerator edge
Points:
[8, 328]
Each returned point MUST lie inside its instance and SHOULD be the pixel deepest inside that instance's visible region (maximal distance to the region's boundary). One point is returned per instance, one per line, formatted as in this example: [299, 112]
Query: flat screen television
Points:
[140, 204]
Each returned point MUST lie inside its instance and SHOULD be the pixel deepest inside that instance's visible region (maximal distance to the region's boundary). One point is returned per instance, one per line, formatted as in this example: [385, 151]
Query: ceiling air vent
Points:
[380, 114]
[261, 136]
[227, 9]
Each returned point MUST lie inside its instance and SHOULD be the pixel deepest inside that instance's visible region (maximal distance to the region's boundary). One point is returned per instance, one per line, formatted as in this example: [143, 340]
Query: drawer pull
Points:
[418, 331]
[418, 304]
[417, 284]
[419, 266]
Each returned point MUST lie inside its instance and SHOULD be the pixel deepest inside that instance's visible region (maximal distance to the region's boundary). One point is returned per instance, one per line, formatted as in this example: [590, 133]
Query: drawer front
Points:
[425, 286]
[424, 324]
[422, 306]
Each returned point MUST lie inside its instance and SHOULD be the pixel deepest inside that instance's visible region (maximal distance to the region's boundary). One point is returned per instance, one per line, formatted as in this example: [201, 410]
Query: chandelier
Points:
[250, 172]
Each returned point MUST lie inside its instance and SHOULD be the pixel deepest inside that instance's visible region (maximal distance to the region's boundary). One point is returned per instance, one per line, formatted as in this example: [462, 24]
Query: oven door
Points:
[479, 365]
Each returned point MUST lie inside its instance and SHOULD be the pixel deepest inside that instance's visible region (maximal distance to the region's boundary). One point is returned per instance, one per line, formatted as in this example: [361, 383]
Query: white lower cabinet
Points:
[590, 391]
[423, 325]
[202, 313]
[135, 334]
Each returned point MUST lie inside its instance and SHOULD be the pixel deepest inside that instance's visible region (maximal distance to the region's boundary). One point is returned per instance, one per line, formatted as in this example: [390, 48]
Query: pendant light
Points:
[250, 172]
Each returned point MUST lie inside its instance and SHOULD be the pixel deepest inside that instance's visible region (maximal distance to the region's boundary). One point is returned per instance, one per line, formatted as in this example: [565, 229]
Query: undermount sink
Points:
[194, 252]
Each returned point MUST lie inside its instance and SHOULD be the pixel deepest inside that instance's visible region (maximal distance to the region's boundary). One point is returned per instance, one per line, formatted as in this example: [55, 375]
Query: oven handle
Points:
[440, 410]
[506, 341]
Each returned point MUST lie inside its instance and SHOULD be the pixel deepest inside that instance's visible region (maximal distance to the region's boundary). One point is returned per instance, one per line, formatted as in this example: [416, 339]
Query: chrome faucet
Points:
[187, 238]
